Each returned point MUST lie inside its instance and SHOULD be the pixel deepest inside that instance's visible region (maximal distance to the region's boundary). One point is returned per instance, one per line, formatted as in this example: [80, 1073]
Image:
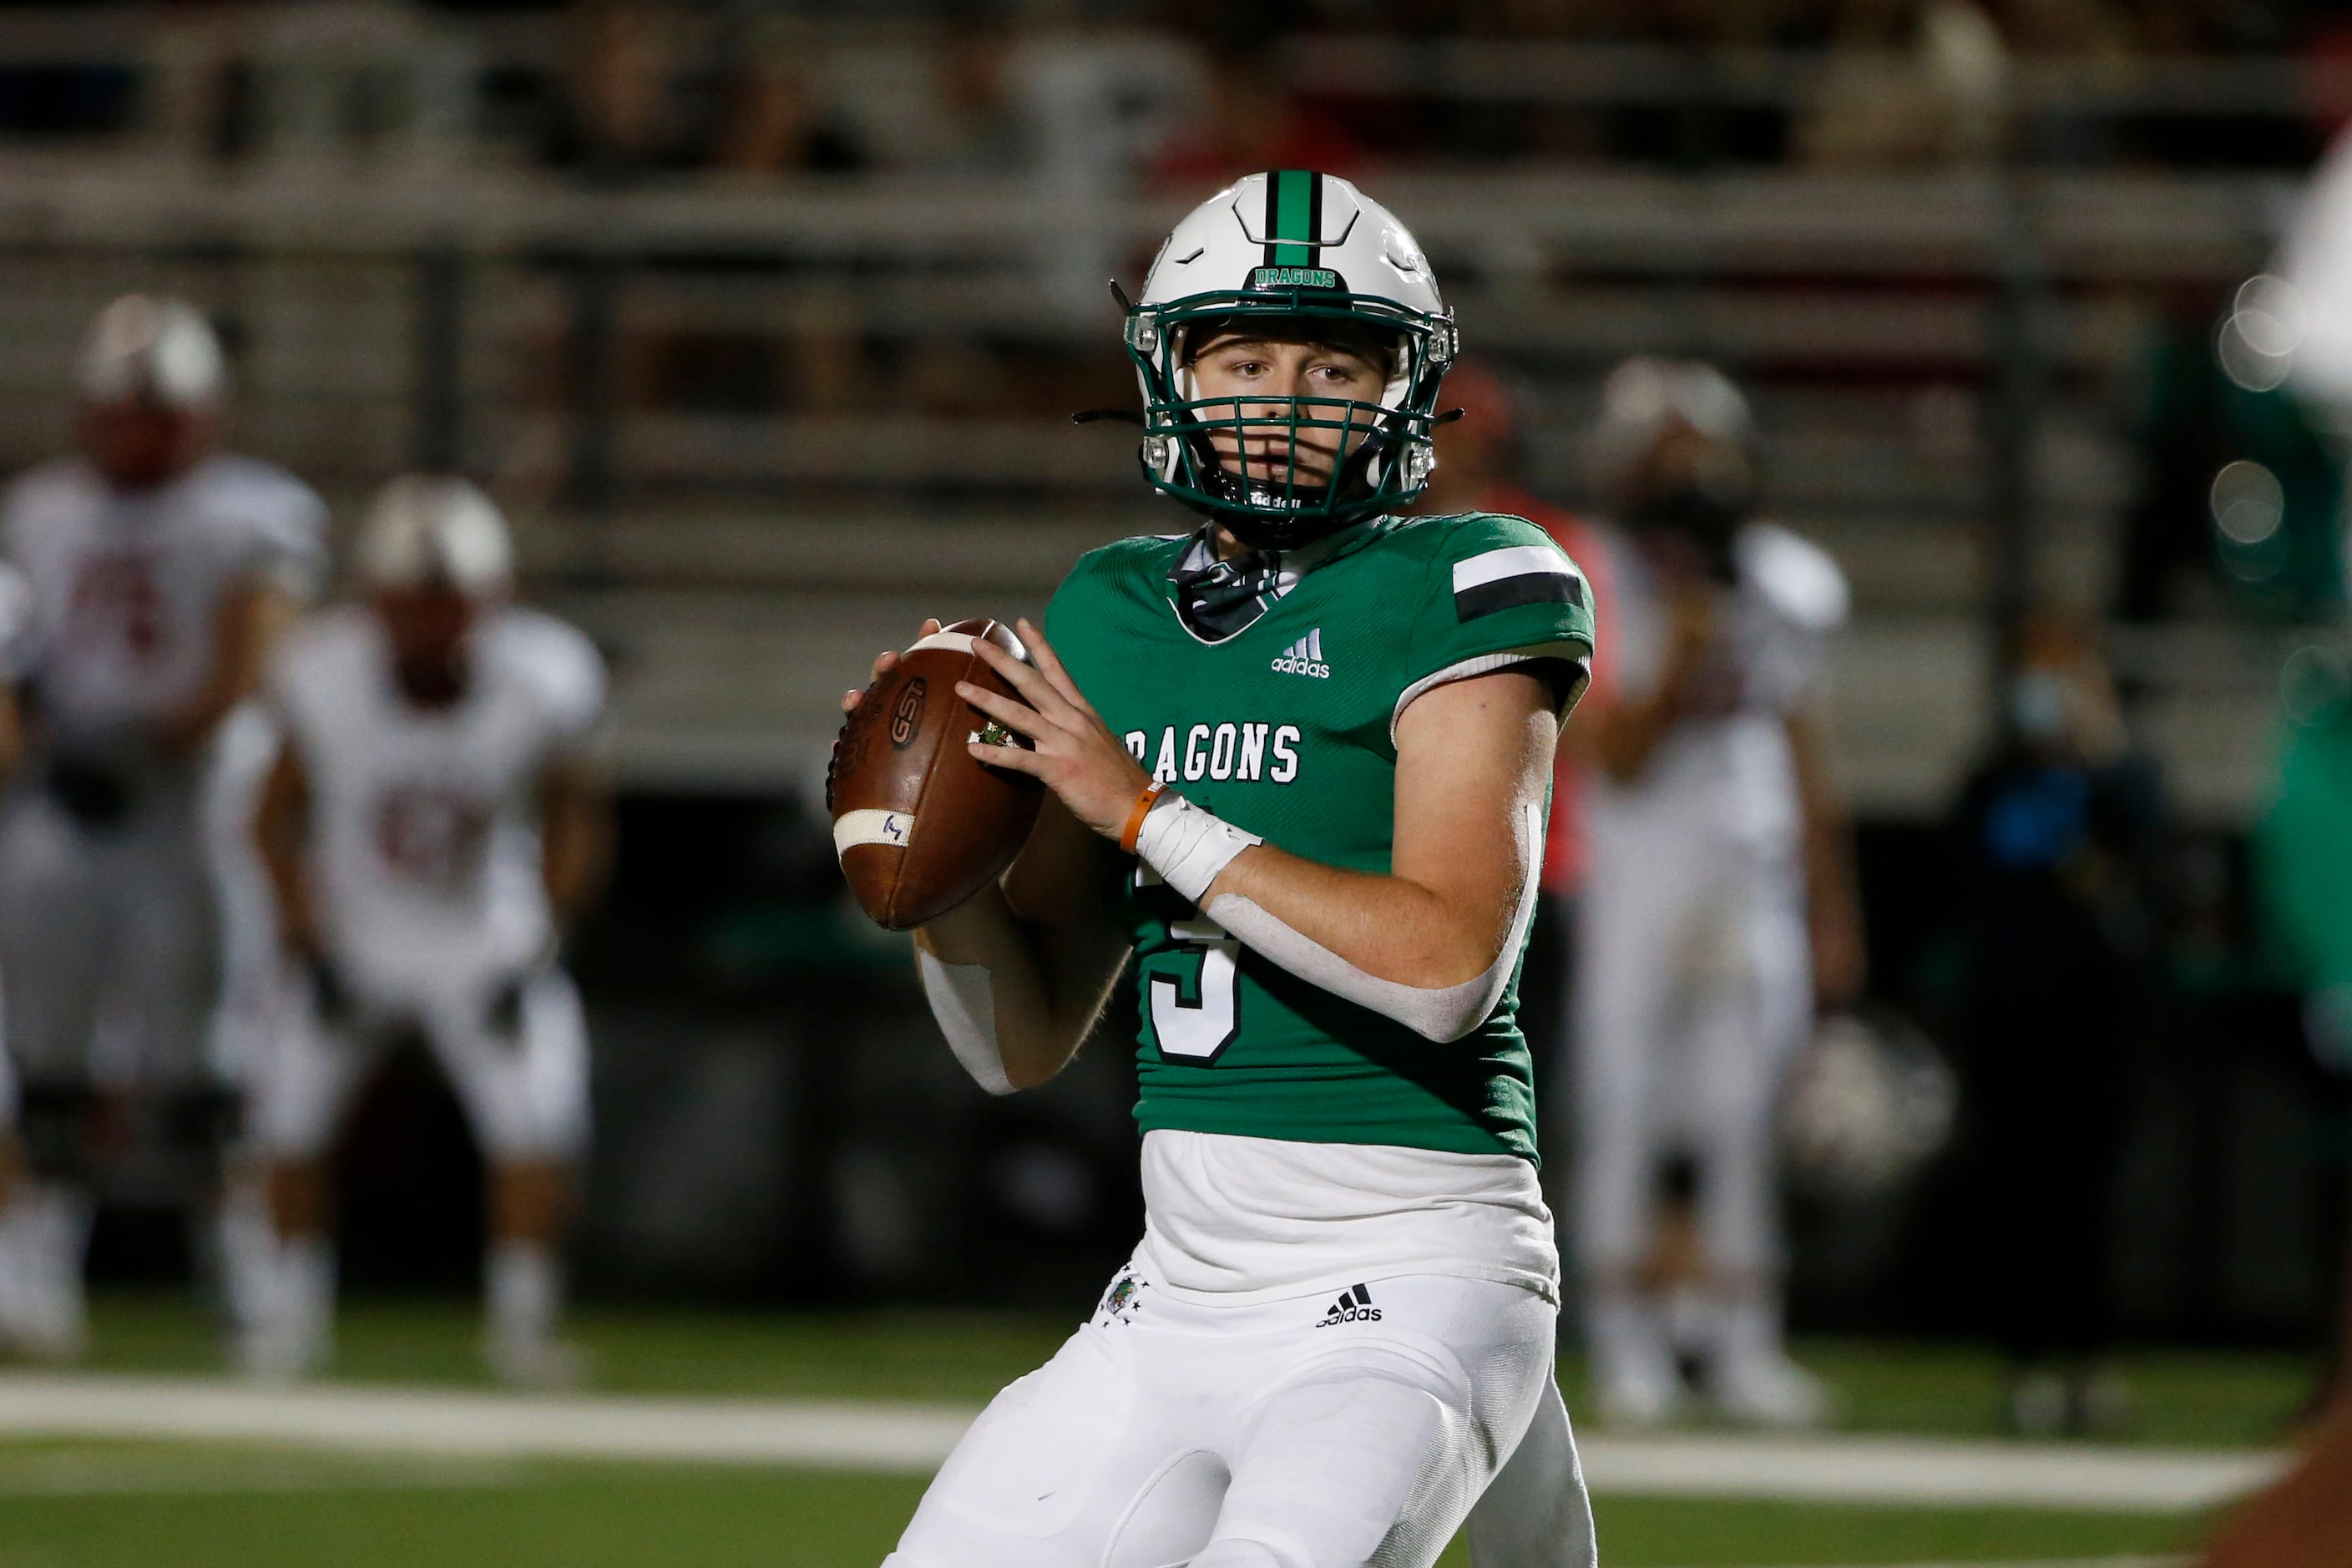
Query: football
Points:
[918, 825]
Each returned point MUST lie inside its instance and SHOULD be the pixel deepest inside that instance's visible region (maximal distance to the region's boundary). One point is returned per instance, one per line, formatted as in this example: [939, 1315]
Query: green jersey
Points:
[1287, 728]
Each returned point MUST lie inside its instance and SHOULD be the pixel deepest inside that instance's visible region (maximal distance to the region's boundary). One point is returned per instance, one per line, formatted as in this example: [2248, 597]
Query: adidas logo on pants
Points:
[1354, 1306]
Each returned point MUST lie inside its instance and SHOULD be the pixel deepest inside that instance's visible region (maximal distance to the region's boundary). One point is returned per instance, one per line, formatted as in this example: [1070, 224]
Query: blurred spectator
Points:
[1096, 105]
[769, 122]
[1908, 84]
[654, 89]
[2303, 864]
[2081, 29]
[1479, 459]
[985, 130]
[1250, 118]
[377, 81]
[617, 118]
[1721, 902]
[2056, 838]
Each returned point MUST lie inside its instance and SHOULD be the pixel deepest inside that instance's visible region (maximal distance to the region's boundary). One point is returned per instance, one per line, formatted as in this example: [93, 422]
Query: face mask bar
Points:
[1392, 453]
[1329, 449]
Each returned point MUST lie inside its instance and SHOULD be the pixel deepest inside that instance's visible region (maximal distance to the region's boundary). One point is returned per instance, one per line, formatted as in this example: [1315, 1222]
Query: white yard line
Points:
[1926, 1472]
[914, 1439]
[409, 1420]
[237, 1471]
[2050, 1562]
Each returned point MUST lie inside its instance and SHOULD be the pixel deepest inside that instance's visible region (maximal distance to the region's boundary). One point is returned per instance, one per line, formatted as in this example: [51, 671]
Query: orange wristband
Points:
[1143, 804]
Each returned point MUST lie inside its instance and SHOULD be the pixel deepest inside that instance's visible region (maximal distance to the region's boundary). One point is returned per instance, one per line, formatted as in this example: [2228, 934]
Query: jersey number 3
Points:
[1195, 1005]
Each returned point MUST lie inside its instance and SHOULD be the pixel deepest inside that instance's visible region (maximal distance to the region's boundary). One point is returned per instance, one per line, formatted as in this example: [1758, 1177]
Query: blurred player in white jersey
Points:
[160, 571]
[437, 814]
[1721, 896]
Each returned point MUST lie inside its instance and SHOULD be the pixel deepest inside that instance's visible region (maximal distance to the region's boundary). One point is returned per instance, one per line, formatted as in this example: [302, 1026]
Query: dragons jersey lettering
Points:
[1227, 1042]
[1219, 750]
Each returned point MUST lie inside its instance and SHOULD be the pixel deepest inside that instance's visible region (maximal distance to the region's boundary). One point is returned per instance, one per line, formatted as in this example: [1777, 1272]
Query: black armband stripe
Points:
[1507, 578]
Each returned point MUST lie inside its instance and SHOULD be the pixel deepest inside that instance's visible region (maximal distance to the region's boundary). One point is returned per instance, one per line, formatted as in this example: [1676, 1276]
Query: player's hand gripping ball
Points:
[920, 824]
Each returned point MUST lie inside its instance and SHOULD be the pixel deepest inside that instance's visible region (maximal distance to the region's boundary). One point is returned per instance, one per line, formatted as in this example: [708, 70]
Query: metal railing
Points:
[295, 58]
[1942, 366]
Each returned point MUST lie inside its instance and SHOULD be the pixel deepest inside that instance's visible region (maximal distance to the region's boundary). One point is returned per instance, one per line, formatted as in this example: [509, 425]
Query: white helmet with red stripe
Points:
[436, 531]
[162, 350]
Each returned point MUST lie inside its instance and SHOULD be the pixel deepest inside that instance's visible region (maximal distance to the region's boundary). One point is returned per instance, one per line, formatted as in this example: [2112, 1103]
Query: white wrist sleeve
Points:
[1189, 846]
[964, 999]
[1442, 1014]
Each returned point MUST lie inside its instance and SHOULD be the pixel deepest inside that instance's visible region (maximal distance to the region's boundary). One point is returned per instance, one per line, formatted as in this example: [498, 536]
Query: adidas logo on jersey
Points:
[1304, 656]
[1354, 1306]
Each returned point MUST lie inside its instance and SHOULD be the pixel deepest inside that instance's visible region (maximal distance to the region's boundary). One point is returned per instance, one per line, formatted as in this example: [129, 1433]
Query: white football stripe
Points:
[1513, 561]
[852, 828]
[960, 641]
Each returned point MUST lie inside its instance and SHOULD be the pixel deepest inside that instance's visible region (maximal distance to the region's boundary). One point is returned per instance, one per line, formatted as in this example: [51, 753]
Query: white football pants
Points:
[525, 1096]
[1311, 1433]
[107, 940]
[1693, 990]
[244, 751]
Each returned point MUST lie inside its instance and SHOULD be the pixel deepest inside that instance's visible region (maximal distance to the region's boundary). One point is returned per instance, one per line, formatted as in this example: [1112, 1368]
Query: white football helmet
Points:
[432, 530]
[1645, 395]
[159, 348]
[1298, 246]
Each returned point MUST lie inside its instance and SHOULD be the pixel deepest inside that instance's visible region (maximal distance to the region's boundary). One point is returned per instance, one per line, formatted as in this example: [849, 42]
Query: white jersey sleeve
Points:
[1637, 614]
[301, 671]
[564, 668]
[278, 525]
[1794, 598]
[39, 504]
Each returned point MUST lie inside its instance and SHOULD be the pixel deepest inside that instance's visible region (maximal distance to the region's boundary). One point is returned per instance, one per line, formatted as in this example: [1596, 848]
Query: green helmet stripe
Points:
[1290, 224]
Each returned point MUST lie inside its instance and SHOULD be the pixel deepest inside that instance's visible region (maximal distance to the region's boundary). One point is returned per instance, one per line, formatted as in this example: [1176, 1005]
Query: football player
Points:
[160, 571]
[1298, 760]
[434, 818]
[1720, 896]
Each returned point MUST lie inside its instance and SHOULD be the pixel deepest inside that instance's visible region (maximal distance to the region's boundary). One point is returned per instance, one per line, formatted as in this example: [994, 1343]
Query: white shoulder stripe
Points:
[1511, 561]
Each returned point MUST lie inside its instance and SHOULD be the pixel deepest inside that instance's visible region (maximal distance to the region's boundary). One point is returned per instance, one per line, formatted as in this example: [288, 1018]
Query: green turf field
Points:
[148, 1506]
[90, 1504]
